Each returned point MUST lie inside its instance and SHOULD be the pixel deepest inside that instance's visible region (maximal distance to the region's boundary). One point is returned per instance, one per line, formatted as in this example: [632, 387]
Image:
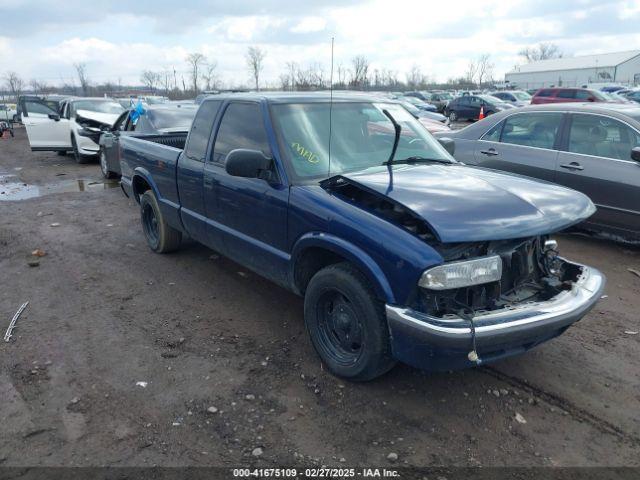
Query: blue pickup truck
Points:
[401, 252]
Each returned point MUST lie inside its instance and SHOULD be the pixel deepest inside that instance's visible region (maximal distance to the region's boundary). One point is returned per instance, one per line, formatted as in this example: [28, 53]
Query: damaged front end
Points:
[91, 128]
[536, 297]
[531, 271]
[488, 299]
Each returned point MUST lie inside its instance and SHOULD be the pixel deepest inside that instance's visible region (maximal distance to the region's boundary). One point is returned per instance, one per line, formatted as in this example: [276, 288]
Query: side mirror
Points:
[54, 116]
[449, 144]
[247, 163]
[635, 154]
[591, 99]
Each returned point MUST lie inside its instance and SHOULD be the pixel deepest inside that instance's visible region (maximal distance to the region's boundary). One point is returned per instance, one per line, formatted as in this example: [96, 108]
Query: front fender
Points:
[352, 253]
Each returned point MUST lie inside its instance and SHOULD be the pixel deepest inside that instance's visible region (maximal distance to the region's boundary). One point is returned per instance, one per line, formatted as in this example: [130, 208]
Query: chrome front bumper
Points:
[499, 333]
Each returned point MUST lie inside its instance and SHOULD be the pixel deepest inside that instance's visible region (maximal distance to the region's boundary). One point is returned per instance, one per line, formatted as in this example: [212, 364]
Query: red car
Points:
[562, 95]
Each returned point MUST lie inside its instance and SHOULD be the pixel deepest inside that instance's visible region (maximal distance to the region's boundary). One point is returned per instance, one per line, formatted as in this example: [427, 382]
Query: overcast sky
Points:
[42, 39]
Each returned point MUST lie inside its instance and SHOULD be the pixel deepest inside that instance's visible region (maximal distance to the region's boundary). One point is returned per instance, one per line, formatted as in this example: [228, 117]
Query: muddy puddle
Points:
[11, 188]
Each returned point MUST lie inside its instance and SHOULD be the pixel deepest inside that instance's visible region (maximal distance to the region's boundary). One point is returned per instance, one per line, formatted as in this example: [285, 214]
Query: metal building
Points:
[606, 68]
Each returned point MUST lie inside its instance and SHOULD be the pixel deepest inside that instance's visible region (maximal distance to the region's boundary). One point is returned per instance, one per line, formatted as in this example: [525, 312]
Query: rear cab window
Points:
[198, 140]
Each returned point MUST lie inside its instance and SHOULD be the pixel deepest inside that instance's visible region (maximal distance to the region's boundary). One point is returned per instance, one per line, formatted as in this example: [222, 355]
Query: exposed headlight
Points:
[462, 274]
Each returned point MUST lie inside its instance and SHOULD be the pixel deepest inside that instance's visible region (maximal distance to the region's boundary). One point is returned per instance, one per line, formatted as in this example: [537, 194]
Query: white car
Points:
[8, 113]
[59, 131]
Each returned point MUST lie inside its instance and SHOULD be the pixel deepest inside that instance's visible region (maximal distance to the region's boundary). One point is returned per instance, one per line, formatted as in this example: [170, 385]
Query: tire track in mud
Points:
[575, 411]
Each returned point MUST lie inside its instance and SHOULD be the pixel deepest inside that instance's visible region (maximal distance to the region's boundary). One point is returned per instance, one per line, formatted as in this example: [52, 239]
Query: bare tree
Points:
[485, 68]
[415, 78]
[195, 61]
[255, 59]
[472, 69]
[14, 83]
[360, 72]
[210, 76]
[542, 51]
[83, 78]
[342, 75]
[150, 79]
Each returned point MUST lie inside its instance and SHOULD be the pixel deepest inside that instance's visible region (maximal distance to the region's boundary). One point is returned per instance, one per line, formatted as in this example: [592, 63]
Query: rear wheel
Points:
[161, 237]
[104, 165]
[453, 116]
[347, 323]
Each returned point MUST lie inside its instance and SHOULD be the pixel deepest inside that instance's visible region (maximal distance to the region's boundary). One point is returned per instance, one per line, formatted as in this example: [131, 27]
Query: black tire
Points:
[453, 116]
[62, 153]
[104, 165]
[76, 153]
[347, 323]
[161, 237]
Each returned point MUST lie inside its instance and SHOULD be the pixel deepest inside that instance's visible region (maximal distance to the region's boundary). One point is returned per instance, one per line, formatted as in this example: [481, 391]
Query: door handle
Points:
[572, 166]
[491, 152]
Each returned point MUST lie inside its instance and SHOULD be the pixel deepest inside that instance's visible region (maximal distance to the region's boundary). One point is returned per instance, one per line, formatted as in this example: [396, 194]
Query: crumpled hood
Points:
[463, 203]
[107, 118]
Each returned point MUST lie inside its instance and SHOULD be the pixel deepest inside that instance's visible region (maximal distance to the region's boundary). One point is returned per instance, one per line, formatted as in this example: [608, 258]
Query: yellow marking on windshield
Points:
[305, 153]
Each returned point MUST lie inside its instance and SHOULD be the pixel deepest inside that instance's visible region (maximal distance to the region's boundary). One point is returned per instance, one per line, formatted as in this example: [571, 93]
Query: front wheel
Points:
[453, 116]
[80, 158]
[161, 237]
[347, 323]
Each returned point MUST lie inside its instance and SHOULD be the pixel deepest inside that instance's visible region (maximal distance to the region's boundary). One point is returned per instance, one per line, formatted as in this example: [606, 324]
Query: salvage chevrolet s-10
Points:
[401, 253]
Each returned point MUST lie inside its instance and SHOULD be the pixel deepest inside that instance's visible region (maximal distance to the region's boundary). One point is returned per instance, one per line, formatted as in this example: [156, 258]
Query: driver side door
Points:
[47, 130]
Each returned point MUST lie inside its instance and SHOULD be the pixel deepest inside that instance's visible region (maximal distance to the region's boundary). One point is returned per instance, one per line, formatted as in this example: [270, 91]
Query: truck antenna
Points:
[330, 108]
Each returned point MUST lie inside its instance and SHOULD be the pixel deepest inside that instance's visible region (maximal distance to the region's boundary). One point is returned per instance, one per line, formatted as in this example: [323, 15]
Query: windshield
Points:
[411, 107]
[174, 119]
[414, 100]
[522, 96]
[361, 137]
[99, 106]
[446, 96]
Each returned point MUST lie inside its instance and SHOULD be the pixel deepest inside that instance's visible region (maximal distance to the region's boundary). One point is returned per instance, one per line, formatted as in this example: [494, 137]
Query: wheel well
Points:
[140, 185]
[310, 262]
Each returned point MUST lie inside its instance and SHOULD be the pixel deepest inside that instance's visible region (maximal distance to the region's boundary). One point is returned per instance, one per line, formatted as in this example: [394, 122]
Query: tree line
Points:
[202, 74]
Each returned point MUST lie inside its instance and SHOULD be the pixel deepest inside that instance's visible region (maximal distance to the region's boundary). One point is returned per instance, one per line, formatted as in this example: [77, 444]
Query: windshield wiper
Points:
[418, 159]
[396, 140]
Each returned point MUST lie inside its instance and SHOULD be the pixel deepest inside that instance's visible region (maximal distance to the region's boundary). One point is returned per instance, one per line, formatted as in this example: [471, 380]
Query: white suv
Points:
[51, 130]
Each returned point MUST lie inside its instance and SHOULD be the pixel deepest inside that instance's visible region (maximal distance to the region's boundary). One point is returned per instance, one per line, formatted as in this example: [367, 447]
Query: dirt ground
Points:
[106, 314]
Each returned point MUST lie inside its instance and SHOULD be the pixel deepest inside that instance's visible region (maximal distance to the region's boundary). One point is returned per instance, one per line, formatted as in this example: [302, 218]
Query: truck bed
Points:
[155, 157]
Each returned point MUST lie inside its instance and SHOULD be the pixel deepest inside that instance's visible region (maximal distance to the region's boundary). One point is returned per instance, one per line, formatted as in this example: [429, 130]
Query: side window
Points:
[566, 94]
[241, 127]
[544, 93]
[602, 137]
[493, 135]
[532, 129]
[196, 147]
[583, 94]
[39, 108]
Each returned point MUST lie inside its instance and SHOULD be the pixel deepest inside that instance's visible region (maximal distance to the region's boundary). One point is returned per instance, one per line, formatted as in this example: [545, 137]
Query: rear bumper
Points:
[434, 343]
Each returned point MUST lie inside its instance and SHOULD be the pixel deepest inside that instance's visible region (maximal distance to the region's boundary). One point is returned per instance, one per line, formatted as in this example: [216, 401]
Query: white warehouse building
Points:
[607, 68]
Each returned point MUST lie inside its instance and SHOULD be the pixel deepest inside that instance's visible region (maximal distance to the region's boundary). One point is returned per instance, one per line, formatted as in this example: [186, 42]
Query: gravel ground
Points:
[128, 358]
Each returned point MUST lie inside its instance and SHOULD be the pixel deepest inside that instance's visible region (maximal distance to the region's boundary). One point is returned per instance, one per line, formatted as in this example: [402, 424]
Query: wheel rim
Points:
[340, 332]
[103, 163]
[150, 225]
[452, 116]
